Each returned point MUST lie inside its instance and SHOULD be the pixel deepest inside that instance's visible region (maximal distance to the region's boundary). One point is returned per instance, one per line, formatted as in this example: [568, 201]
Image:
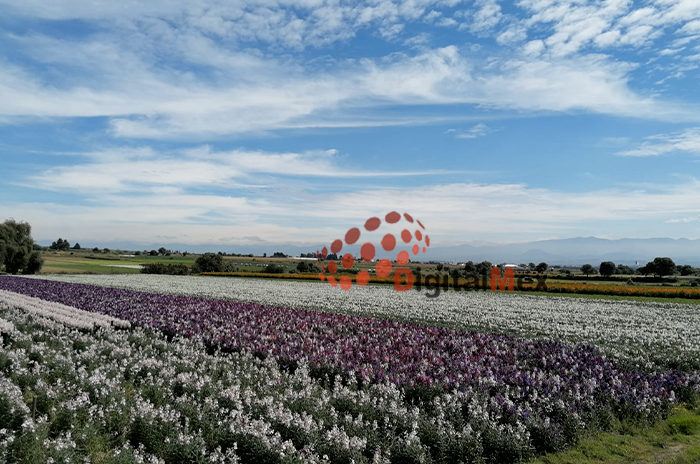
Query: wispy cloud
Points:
[476, 131]
[687, 141]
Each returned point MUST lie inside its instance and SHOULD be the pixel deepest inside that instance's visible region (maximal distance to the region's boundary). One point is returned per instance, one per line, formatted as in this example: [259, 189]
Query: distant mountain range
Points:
[570, 251]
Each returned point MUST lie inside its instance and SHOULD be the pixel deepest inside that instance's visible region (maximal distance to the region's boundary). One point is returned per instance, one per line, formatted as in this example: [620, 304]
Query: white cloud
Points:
[476, 131]
[685, 141]
[281, 216]
[684, 220]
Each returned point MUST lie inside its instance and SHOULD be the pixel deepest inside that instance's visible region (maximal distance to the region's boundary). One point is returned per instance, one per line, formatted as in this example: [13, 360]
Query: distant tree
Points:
[624, 270]
[17, 253]
[484, 267]
[439, 267]
[60, 245]
[541, 268]
[469, 267]
[607, 268]
[153, 253]
[273, 268]
[279, 254]
[454, 272]
[162, 250]
[663, 266]
[532, 266]
[137, 253]
[686, 270]
[265, 255]
[95, 250]
[106, 250]
[209, 262]
[587, 269]
[77, 246]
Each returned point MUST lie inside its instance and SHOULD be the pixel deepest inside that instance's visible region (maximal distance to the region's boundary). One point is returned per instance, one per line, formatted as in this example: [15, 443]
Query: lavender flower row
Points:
[62, 313]
[525, 377]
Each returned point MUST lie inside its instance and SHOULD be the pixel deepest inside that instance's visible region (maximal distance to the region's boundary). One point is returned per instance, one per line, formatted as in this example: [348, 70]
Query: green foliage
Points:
[607, 268]
[209, 262]
[307, 267]
[587, 269]
[541, 268]
[60, 245]
[17, 252]
[165, 268]
[273, 269]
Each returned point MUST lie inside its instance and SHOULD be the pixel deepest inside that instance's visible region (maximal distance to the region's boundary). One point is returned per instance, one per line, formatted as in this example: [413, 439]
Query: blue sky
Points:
[289, 122]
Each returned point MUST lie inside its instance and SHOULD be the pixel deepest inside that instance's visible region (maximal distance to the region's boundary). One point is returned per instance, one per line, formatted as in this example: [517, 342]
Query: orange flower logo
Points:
[413, 230]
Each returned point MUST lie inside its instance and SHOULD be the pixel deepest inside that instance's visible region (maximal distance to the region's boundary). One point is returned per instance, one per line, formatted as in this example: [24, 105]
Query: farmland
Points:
[197, 369]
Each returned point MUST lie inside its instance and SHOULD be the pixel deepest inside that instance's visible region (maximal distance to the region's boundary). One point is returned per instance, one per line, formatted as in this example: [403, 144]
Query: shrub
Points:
[169, 269]
[273, 269]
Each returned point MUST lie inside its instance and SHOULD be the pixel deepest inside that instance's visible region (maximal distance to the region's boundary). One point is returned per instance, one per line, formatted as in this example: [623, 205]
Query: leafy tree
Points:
[279, 254]
[162, 250]
[663, 266]
[587, 269]
[532, 266]
[686, 270]
[209, 262]
[454, 272]
[153, 253]
[607, 268]
[60, 245]
[95, 250]
[624, 270]
[469, 267]
[17, 252]
[541, 268]
[273, 269]
[484, 267]
[106, 250]
[77, 246]
[439, 267]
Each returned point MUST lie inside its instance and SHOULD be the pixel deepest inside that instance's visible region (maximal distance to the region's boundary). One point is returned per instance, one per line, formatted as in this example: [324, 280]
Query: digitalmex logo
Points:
[414, 231]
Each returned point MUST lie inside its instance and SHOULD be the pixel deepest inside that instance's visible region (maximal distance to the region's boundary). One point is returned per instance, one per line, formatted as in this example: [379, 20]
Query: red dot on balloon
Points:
[348, 261]
[389, 242]
[352, 236]
[322, 267]
[427, 240]
[336, 246]
[321, 276]
[403, 257]
[419, 235]
[324, 252]
[423, 249]
[367, 251]
[393, 217]
[408, 217]
[332, 281]
[406, 236]
[362, 278]
[332, 267]
[345, 283]
[415, 249]
[383, 268]
[420, 224]
[373, 223]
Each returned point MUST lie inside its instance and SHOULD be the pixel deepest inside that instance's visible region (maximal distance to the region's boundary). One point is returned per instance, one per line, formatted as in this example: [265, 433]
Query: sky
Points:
[273, 121]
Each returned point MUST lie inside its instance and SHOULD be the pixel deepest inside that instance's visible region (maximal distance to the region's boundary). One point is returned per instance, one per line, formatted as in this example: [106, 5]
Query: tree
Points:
[95, 250]
[624, 270]
[607, 268]
[162, 250]
[484, 267]
[439, 267]
[60, 245]
[209, 262]
[686, 270]
[541, 268]
[587, 269]
[77, 246]
[17, 252]
[663, 266]
[153, 253]
[469, 267]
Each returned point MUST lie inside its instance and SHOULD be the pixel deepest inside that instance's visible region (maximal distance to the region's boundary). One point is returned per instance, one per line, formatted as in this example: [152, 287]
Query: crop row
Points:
[648, 336]
[62, 313]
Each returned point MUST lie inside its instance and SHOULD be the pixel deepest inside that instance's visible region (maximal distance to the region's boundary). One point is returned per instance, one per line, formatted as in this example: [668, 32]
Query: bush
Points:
[168, 269]
[273, 269]
[209, 262]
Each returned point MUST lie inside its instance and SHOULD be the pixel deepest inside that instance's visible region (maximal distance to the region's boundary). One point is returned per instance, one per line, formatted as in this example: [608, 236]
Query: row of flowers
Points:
[62, 313]
[525, 377]
[642, 335]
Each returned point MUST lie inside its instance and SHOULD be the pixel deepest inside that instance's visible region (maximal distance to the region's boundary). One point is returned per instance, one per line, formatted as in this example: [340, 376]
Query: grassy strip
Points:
[673, 441]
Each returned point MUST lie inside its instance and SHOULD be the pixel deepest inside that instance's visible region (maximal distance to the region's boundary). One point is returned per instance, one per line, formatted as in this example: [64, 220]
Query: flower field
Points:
[641, 335]
[200, 379]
